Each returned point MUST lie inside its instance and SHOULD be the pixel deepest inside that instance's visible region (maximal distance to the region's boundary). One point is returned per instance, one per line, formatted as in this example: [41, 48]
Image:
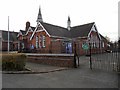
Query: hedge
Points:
[13, 62]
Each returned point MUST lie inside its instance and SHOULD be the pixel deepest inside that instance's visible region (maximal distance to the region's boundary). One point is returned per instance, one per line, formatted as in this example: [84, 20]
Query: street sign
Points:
[85, 46]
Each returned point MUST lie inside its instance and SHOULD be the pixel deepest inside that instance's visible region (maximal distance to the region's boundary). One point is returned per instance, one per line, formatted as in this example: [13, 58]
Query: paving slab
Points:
[81, 77]
[36, 67]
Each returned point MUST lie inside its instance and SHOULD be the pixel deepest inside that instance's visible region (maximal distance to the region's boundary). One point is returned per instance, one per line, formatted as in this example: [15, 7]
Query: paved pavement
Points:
[81, 77]
[35, 67]
[74, 78]
[37, 54]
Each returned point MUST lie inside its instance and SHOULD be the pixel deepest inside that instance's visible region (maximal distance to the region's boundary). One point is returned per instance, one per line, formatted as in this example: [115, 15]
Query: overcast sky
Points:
[103, 12]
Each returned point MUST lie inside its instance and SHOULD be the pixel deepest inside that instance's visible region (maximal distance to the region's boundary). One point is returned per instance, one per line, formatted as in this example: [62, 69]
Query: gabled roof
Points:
[33, 28]
[81, 30]
[54, 30]
[58, 31]
[103, 38]
[76, 31]
[29, 30]
[23, 32]
[12, 37]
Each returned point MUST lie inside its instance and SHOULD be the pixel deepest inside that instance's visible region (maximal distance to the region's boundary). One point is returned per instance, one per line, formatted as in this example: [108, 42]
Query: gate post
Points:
[90, 56]
[75, 54]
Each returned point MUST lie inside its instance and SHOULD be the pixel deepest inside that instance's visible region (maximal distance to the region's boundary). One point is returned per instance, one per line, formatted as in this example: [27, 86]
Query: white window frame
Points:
[43, 41]
[40, 41]
[103, 44]
[37, 42]
[23, 46]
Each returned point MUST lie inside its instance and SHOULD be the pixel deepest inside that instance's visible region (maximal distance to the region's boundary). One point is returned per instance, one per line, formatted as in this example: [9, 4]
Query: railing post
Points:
[75, 54]
[90, 56]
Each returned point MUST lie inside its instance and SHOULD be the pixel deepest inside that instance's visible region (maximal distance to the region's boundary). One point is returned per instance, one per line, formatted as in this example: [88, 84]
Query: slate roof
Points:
[23, 32]
[13, 35]
[33, 28]
[76, 31]
[81, 30]
[54, 30]
[103, 38]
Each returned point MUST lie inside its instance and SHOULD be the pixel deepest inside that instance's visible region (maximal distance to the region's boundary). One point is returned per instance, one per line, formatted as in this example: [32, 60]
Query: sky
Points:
[103, 12]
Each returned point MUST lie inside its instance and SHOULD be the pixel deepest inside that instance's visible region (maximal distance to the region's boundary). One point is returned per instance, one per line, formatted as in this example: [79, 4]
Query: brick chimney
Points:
[27, 25]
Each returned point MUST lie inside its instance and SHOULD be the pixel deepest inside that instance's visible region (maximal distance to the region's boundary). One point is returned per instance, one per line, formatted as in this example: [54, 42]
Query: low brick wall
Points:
[55, 60]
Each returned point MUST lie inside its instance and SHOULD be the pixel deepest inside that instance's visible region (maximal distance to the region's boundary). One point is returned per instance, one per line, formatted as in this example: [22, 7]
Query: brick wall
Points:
[45, 49]
[4, 46]
[93, 49]
[62, 61]
[55, 46]
[12, 46]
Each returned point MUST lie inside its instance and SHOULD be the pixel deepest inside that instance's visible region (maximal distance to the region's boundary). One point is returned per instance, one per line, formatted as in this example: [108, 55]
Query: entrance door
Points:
[69, 48]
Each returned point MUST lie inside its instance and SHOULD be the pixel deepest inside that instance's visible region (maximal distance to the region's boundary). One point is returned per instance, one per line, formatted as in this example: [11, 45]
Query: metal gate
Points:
[107, 60]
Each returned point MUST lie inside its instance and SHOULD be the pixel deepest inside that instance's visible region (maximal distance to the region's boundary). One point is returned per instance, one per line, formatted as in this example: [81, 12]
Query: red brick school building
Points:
[49, 38]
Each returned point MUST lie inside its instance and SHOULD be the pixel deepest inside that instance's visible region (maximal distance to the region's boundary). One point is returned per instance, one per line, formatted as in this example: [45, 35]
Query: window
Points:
[18, 45]
[97, 44]
[40, 41]
[23, 46]
[103, 45]
[92, 45]
[63, 43]
[37, 43]
[43, 41]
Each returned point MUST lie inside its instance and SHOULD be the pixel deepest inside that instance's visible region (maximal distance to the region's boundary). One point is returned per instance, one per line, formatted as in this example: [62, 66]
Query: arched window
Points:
[37, 43]
[103, 45]
[40, 41]
[43, 41]
[23, 46]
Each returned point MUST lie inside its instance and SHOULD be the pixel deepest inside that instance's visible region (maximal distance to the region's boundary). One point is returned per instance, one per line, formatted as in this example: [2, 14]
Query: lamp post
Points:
[8, 34]
[118, 56]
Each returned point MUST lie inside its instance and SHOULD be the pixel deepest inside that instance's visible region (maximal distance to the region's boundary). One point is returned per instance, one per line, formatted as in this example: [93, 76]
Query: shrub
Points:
[13, 62]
